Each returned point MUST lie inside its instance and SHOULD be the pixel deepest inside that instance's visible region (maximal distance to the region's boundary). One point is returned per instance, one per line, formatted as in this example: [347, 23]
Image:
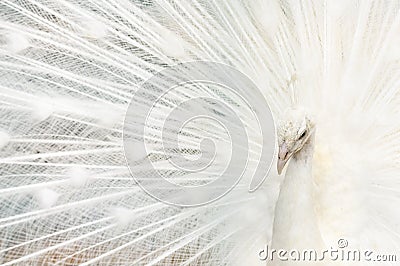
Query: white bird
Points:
[329, 71]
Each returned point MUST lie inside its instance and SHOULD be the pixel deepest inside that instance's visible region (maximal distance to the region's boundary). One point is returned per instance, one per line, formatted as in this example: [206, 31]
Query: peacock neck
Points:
[295, 221]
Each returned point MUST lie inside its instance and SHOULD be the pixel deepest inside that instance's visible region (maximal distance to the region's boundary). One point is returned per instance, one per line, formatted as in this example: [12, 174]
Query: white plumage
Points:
[68, 70]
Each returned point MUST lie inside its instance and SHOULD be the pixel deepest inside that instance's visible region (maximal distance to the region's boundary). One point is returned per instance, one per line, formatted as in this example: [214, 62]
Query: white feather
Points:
[4, 139]
[46, 198]
[68, 70]
[17, 42]
[78, 176]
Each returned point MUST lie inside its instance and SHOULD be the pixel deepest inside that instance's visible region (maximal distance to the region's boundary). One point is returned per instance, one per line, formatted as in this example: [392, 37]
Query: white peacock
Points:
[329, 70]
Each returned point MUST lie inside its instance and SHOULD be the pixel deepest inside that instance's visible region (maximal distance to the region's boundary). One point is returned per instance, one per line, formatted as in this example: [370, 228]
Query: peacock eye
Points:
[303, 135]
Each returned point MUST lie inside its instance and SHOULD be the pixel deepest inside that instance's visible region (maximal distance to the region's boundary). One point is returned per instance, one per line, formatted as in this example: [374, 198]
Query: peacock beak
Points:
[283, 157]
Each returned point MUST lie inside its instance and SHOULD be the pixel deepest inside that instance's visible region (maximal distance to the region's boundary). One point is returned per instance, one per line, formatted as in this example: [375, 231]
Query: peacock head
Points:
[294, 130]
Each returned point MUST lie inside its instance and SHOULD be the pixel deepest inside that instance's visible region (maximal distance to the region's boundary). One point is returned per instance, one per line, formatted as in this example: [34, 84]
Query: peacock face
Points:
[293, 133]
